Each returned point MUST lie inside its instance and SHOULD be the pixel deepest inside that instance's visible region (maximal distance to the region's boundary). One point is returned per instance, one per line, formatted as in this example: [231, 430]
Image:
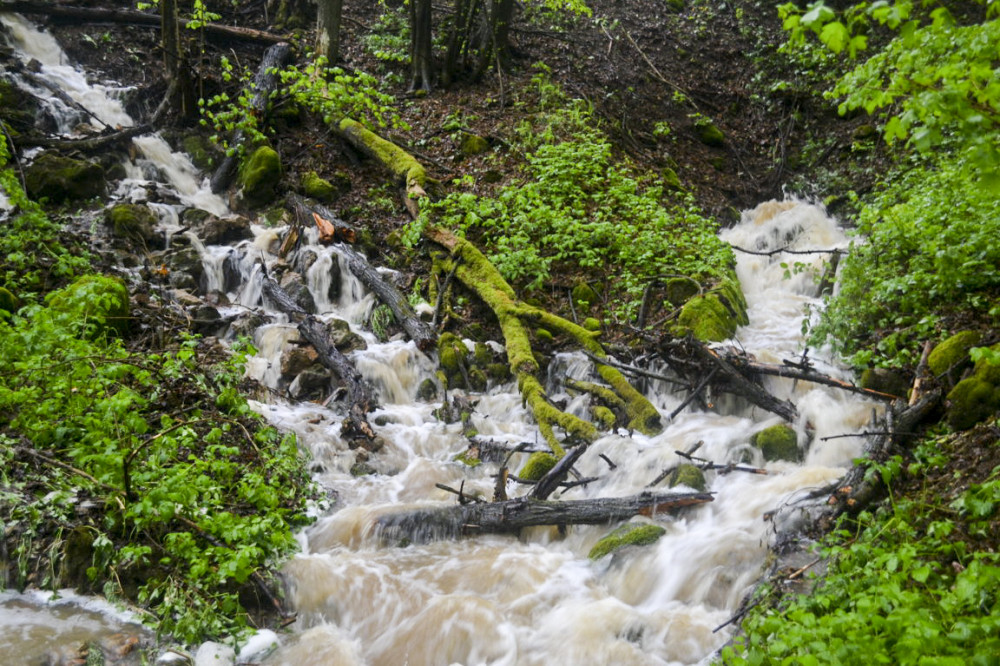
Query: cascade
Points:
[536, 599]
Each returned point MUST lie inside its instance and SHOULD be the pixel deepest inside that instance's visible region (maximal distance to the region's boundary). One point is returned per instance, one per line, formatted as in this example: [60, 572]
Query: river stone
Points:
[135, 223]
[344, 339]
[296, 359]
[778, 442]
[629, 534]
[60, 179]
[258, 175]
[687, 475]
[214, 230]
[295, 286]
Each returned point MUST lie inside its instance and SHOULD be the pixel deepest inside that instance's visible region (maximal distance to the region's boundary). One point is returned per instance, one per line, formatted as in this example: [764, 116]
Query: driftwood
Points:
[128, 17]
[690, 356]
[90, 144]
[510, 516]
[360, 399]
[802, 372]
[331, 228]
[264, 83]
[388, 293]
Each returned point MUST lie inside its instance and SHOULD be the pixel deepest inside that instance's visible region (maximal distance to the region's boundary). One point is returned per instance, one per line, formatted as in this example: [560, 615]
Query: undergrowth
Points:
[911, 583]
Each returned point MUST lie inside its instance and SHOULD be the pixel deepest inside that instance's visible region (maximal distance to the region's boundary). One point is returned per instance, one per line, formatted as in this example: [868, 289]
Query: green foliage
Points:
[902, 588]
[928, 252]
[577, 205]
[936, 78]
[329, 92]
[201, 494]
[389, 37]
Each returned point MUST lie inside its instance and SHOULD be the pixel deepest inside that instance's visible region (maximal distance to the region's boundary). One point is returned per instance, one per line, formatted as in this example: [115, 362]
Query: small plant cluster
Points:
[908, 584]
[577, 206]
[329, 92]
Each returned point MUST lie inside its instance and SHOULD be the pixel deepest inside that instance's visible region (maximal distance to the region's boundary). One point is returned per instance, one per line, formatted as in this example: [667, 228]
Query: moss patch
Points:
[472, 144]
[538, 465]
[134, 222]
[975, 398]
[631, 534]
[779, 442]
[714, 316]
[687, 475]
[99, 302]
[952, 354]
[318, 188]
[61, 179]
[258, 176]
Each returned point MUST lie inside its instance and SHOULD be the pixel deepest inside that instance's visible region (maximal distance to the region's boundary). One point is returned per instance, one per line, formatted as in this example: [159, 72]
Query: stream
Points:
[529, 600]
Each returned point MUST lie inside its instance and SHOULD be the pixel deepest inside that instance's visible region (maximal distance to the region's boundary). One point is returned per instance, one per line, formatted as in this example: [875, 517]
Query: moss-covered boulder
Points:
[60, 179]
[592, 324]
[709, 134]
[630, 534]
[584, 296]
[134, 223]
[17, 110]
[343, 337]
[451, 359]
[680, 290]
[687, 475]
[259, 175]
[951, 356]
[975, 398]
[538, 465]
[715, 315]
[427, 391]
[779, 442]
[8, 301]
[318, 188]
[99, 303]
[470, 144]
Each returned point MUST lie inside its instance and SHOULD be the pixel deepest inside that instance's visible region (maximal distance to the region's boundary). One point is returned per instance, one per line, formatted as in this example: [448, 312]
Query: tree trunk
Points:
[421, 36]
[328, 29]
[264, 83]
[510, 516]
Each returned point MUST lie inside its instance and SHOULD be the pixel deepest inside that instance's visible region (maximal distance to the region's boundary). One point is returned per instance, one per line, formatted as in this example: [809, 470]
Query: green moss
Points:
[258, 176]
[584, 295]
[952, 353]
[604, 416]
[714, 316]
[975, 398]
[779, 442]
[318, 188]
[99, 302]
[403, 165]
[467, 458]
[679, 290]
[199, 150]
[477, 379]
[671, 179]
[543, 335]
[710, 135]
[630, 534]
[8, 301]
[61, 179]
[482, 356]
[134, 222]
[538, 465]
[472, 144]
[427, 391]
[592, 324]
[687, 475]
[451, 358]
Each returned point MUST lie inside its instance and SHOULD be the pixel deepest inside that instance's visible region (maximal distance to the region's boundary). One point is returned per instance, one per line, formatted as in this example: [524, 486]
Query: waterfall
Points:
[534, 599]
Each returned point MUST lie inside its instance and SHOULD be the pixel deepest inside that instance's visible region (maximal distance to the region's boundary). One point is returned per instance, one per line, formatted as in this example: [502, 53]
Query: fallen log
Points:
[360, 399]
[129, 17]
[511, 516]
[403, 166]
[748, 367]
[264, 83]
[90, 144]
[331, 228]
[388, 293]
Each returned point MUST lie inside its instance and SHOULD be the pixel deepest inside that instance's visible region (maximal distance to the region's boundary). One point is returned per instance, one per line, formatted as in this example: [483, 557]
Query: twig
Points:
[787, 251]
[462, 497]
[694, 394]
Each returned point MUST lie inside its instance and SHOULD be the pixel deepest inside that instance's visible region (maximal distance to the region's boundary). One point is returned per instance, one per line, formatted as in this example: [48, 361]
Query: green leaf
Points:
[835, 36]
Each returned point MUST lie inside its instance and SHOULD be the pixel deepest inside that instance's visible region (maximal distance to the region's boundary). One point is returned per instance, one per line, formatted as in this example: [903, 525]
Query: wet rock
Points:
[214, 654]
[630, 534]
[779, 442]
[297, 289]
[975, 398]
[213, 230]
[295, 360]
[950, 357]
[206, 319]
[246, 324]
[362, 469]
[201, 151]
[135, 223]
[885, 380]
[428, 390]
[185, 267]
[117, 646]
[314, 382]
[687, 475]
[185, 298]
[16, 109]
[60, 179]
[344, 338]
[258, 176]
[232, 272]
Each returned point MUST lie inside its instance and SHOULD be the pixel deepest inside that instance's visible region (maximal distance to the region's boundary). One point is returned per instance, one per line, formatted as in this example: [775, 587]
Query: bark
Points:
[360, 399]
[421, 58]
[328, 29]
[264, 83]
[125, 16]
[404, 168]
[89, 145]
[510, 516]
[332, 229]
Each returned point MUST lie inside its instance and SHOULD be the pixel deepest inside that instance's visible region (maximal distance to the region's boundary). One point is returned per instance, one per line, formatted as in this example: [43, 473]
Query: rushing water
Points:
[536, 599]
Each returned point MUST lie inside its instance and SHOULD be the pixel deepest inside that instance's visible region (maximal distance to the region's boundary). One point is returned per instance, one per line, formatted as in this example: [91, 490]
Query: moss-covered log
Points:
[403, 166]
[478, 274]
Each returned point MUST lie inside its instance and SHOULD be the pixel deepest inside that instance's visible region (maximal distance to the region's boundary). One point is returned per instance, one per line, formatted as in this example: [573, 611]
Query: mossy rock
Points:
[679, 290]
[976, 398]
[472, 144]
[16, 109]
[201, 151]
[687, 475]
[482, 356]
[630, 534]
[466, 458]
[60, 179]
[427, 391]
[710, 135]
[318, 188]
[99, 302]
[543, 335]
[134, 222]
[8, 301]
[951, 355]
[499, 372]
[885, 380]
[451, 358]
[362, 469]
[671, 179]
[478, 380]
[715, 315]
[259, 174]
[584, 295]
[779, 442]
[538, 465]
[344, 339]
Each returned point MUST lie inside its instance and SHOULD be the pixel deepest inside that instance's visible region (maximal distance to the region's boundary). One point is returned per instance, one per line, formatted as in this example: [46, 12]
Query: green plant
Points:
[389, 37]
